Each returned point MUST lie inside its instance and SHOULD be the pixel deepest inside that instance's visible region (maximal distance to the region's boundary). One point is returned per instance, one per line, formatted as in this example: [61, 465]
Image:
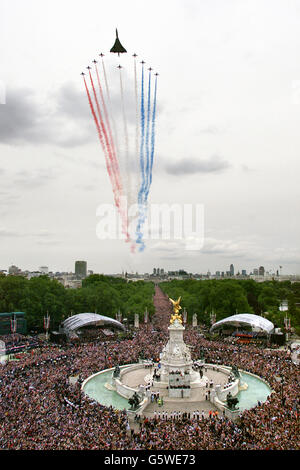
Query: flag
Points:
[47, 322]
[13, 325]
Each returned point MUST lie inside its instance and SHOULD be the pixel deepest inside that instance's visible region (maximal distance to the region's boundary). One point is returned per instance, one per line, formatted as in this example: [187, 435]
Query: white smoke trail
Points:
[130, 196]
[110, 113]
[137, 117]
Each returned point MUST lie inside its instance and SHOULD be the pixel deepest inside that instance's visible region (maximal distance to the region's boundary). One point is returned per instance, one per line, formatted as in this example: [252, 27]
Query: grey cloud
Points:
[239, 248]
[48, 242]
[25, 121]
[7, 198]
[247, 169]
[9, 233]
[42, 235]
[168, 246]
[72, 102]
[21, 118]
[73, 113]
[25, 179]
[67, 122]
[214, 164]
[87, 187]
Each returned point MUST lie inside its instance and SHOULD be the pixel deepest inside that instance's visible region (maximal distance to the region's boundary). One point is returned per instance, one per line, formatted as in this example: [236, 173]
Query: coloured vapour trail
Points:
[128, 147]
[146, 156]
[148, 127]
[152, 139]
[111, 164]
[139, 233]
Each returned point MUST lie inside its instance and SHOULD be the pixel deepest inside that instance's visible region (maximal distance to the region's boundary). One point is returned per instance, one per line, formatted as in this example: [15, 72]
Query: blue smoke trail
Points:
[150, 158]
[152, 139]
[142, 136]
[147, 139]
[142, 165]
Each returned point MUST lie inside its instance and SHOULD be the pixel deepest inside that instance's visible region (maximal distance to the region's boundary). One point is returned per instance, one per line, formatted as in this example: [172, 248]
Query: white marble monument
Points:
[176, 364]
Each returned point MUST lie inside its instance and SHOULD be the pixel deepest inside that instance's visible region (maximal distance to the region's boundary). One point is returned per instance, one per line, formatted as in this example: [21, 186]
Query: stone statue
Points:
[176, 308]
[134, 401]
[116, 371]
[235, 371]
[231, 401]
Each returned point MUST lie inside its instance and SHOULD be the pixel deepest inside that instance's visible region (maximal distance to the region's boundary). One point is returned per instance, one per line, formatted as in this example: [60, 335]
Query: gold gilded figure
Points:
[176, 308]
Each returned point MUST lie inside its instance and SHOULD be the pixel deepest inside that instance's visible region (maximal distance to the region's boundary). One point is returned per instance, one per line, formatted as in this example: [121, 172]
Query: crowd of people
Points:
[14, 343]
[41, 408]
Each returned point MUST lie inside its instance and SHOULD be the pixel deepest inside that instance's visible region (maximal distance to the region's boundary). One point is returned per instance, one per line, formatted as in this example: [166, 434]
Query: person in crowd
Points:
[40, 409]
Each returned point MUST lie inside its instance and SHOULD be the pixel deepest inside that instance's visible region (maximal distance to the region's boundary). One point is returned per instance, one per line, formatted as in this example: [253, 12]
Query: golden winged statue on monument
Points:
[176, 308]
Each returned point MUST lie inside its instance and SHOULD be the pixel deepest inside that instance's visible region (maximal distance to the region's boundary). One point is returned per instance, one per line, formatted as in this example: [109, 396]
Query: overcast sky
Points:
[227, 130]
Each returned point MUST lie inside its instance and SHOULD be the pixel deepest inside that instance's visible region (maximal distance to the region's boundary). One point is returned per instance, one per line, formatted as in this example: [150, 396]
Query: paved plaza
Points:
[196, 402]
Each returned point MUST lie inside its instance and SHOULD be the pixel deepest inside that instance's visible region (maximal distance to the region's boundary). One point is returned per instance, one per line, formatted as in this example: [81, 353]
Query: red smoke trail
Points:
[116, 165]
[112, 149]
[109, 111]
[107, 143]
[108, 156]
[99, 130]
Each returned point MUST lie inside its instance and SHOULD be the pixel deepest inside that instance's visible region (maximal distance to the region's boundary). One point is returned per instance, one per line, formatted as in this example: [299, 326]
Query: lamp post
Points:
[118, 316]
[105, 356]
[184, 316]
[13, 327]
[47, 325]
[287, 325]
[146, 316]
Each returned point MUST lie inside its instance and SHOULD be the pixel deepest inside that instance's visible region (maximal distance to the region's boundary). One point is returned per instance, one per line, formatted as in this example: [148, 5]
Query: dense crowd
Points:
[17, 342]
[40, 408]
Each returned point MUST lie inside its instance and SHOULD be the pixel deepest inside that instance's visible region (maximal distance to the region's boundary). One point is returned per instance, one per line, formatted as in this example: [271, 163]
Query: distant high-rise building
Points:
[162, 271]
[81, 268]
[231, 269]
[255, 272]
[244, 272]
[154, 271]
[157, 271]
[218, 273]
[44, 269]
[261, 271]
[13, 269]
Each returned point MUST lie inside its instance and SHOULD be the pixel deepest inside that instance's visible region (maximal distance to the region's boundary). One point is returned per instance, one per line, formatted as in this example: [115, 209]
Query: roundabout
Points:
[97, 388]
[176, 383]
[51, 412]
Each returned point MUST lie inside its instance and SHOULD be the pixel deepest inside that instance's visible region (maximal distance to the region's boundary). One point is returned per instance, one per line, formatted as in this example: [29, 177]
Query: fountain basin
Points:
[95, 388]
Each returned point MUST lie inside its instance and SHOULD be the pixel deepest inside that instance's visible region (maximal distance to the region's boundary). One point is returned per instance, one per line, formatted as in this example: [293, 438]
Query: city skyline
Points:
[227, 126]
[82, 269]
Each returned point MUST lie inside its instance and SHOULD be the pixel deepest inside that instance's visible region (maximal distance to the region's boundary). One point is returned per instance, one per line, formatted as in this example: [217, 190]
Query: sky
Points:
[227, 133]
